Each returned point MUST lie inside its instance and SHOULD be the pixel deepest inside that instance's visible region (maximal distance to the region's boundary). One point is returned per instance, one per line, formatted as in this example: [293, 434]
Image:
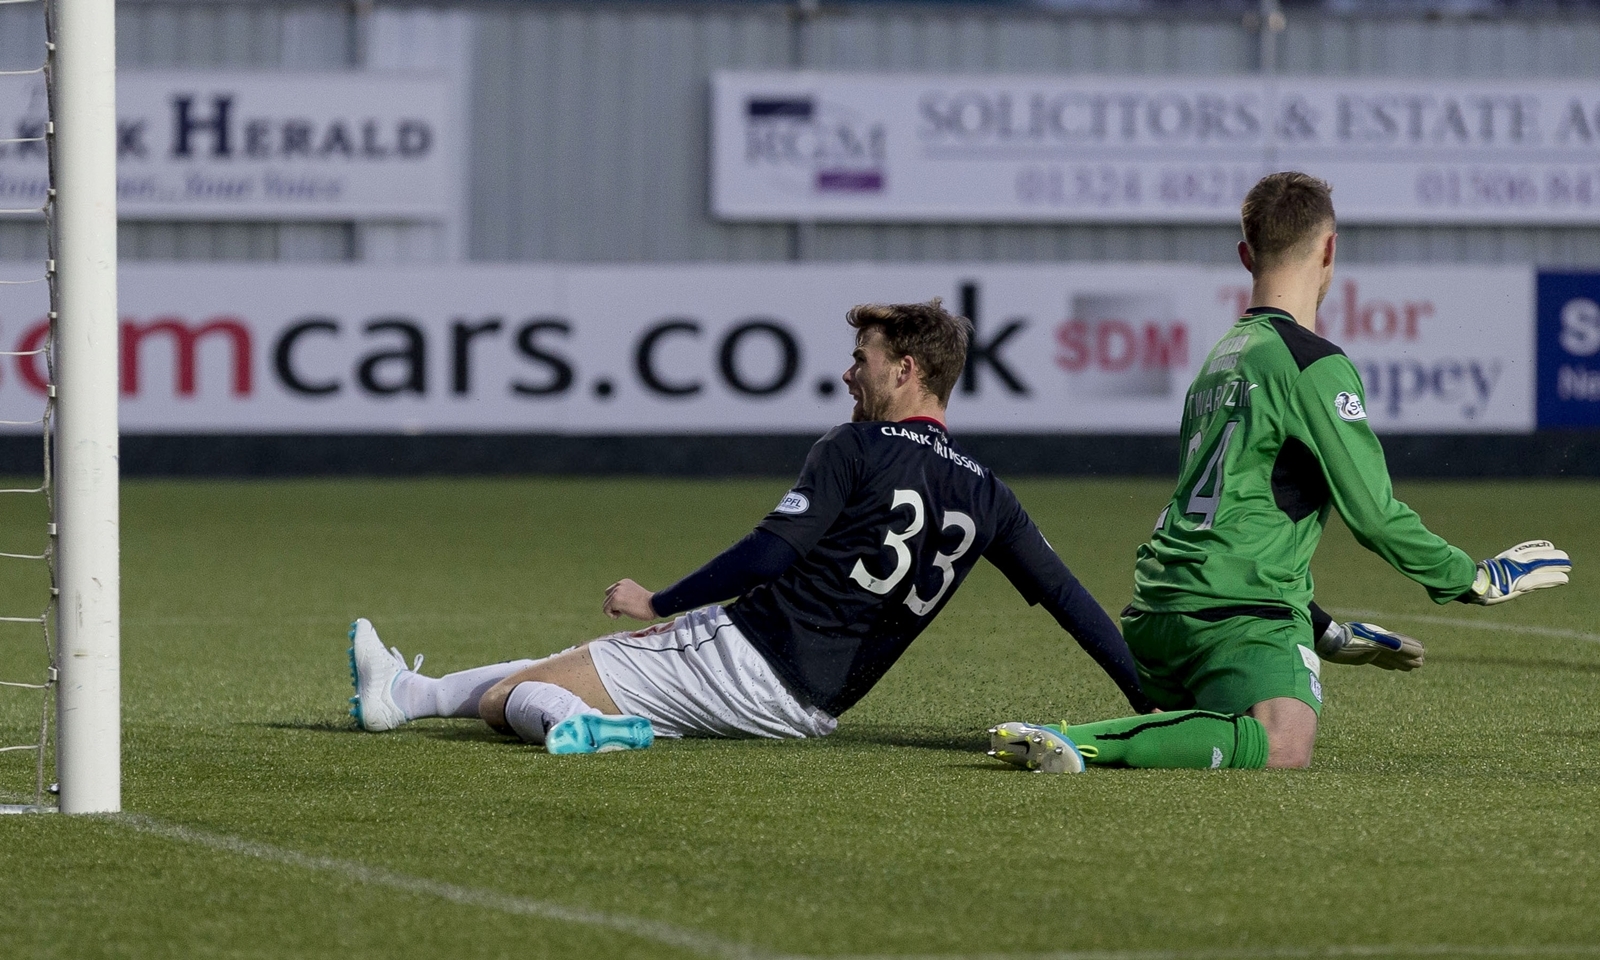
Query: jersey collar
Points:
[935, 422]
[1270, 312]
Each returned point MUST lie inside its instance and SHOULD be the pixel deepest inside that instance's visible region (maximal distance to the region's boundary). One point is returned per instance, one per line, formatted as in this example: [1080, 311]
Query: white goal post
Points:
[82, 83]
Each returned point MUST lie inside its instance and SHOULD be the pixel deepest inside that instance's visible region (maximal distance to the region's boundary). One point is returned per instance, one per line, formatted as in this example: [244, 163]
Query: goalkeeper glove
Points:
[1527, 566]
[1369, 643]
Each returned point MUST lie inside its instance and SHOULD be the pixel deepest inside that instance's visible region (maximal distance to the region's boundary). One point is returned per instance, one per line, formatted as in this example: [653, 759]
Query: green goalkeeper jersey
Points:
[1275, 433]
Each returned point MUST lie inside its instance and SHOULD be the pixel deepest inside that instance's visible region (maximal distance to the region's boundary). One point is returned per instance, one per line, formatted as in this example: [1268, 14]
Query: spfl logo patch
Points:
[794, 502]
[1349, 407]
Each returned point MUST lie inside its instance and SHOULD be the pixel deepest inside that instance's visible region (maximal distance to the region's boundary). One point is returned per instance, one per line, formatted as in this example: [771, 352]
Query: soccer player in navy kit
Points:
[885, 521]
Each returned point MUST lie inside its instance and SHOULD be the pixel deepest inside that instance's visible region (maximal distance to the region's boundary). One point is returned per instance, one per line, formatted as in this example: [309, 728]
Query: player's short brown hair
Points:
[1282, 213]
[936, 338]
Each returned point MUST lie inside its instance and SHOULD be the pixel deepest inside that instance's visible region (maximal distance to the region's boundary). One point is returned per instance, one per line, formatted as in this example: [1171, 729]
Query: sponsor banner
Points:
[281, 146]
[1091, 348]
[887, 147]
[1569, 349]
[1439, 349]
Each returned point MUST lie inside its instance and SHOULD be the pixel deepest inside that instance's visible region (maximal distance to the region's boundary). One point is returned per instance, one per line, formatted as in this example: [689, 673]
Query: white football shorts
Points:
[697, 676]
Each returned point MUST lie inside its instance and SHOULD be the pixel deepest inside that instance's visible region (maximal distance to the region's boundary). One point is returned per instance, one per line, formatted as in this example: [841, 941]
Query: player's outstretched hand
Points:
[1369, 643]
[627, 599]
[1527, 566]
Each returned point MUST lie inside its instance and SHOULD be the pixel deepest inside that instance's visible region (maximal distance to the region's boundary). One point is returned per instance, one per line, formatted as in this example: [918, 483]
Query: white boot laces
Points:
[416, 665]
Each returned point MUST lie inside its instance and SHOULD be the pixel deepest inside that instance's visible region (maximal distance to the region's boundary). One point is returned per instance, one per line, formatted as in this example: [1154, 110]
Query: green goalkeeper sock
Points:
[1185, 739]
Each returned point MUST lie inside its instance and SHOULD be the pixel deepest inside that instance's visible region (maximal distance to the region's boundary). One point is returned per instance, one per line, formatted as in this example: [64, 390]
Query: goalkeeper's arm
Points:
[1358, 483]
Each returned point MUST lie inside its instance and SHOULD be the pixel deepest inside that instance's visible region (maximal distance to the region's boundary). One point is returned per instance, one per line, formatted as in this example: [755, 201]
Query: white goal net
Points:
[27, 509]
[59, 529]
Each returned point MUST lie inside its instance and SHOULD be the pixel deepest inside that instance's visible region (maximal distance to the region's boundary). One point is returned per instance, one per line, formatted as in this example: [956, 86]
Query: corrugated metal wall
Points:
[592, 123]
[590, 120]
[243, 36]
[201, 35]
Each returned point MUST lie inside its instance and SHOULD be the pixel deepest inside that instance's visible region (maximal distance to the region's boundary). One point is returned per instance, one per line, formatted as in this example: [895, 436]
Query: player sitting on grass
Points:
[1222, 625]
[886, 520]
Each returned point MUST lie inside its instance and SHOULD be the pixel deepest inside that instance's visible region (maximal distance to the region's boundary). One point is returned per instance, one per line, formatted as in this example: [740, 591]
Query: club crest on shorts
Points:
[1349, 406]
[794, 502]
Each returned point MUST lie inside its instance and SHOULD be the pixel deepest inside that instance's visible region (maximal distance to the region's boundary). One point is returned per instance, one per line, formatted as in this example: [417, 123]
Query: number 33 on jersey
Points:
[896, 541]
[888, 519]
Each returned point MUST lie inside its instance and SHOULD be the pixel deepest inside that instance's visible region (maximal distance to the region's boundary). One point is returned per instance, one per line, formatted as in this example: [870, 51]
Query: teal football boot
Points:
[594, 733]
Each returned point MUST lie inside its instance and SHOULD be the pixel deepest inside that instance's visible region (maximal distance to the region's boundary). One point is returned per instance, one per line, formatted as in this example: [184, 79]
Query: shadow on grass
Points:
[455, 731]
[311, 726]
[963, 741]
[963, 750]
[465, 732]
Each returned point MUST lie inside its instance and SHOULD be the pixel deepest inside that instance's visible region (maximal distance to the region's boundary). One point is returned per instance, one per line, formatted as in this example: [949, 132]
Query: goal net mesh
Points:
[28, 301]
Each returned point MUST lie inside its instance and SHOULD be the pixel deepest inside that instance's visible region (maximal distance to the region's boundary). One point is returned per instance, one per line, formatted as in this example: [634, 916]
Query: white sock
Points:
[534, 707]
[452, 695]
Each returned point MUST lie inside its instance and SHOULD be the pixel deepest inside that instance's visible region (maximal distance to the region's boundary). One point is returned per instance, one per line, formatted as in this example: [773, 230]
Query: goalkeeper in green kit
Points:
[1227, 641]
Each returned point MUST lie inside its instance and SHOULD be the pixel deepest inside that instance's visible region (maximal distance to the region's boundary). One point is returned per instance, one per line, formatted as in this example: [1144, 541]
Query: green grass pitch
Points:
[1454, 811]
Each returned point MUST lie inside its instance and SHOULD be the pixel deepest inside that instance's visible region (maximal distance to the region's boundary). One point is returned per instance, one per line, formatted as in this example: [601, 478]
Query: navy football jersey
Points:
[888, 519]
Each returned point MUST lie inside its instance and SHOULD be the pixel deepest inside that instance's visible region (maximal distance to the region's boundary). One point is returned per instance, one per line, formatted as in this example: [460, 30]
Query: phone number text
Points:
[1574, 188]
[1109, 186]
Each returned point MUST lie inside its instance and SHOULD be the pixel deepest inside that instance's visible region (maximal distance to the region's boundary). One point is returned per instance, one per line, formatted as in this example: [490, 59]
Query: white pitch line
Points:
[711, 946]
[1471, 624]
[655, 930]
[1269, 953]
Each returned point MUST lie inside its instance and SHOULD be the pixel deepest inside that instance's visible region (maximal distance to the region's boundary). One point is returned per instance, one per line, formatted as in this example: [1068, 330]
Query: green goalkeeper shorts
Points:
[1226, 666]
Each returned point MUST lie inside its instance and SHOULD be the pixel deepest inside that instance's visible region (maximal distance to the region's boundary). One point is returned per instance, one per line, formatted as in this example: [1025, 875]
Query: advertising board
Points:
[283, 146]
[955, 147]
[1569, 349]
[1081, 348]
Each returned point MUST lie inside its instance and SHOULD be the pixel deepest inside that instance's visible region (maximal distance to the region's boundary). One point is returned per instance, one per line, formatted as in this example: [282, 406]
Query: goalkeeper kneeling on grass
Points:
[1275, 432]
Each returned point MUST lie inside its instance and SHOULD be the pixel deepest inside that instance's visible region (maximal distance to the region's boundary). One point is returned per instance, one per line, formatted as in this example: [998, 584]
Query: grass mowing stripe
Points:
[710, 946]
[654, 930]
[1472, 624]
